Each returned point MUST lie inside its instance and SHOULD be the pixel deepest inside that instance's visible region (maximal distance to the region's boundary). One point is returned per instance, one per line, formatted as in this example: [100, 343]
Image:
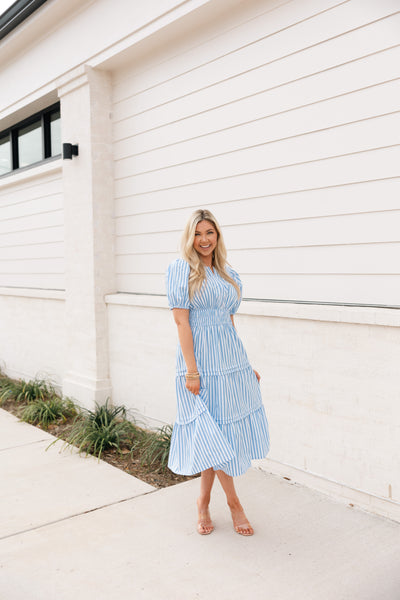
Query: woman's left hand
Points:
[257, 375]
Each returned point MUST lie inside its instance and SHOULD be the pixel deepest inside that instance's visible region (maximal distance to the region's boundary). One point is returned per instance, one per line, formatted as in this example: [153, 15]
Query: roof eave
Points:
[16, 14]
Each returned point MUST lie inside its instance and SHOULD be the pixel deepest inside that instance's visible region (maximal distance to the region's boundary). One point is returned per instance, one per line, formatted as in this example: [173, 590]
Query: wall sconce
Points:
[70, 150]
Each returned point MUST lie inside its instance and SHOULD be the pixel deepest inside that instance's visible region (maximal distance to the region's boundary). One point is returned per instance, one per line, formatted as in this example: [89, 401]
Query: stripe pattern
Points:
[225, 426]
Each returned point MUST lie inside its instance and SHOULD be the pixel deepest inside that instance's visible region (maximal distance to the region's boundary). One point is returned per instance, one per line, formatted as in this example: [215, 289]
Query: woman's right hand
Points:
[193, 385]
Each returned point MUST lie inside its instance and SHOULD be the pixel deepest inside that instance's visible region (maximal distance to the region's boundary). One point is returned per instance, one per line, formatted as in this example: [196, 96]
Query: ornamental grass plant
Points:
[154, 447]
[4, 381]
[47, 411]
[105, 427]
[26, 391]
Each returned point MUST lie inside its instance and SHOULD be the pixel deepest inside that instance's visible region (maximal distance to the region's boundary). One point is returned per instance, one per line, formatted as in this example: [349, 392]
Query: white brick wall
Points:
[32, 336]
[331, 389]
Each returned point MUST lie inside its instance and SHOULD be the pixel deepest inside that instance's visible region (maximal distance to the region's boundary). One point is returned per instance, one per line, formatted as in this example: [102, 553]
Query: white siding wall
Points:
[31, 230]
[283, 119]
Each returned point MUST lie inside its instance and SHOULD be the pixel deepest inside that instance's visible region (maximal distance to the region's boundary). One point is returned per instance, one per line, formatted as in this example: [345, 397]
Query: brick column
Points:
[85, 97]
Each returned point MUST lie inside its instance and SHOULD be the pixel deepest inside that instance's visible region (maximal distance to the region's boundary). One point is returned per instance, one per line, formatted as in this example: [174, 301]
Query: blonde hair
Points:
[197, 269]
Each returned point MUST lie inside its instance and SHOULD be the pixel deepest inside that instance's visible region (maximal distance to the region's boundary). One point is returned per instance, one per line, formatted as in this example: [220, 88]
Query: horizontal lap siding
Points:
[32, 234]
[283, 119]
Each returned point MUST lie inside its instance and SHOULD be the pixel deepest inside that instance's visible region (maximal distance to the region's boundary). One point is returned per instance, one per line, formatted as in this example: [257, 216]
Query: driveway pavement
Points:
[73, 528]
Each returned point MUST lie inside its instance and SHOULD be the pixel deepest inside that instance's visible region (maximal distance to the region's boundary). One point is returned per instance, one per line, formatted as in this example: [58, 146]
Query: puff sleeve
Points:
[235, 276]
[177, 284]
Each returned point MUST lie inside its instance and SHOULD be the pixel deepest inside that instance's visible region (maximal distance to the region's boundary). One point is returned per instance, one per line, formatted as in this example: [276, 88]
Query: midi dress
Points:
[225, 426]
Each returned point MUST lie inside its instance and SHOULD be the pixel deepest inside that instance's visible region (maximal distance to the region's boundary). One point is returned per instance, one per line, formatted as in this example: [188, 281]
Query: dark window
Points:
[5, 154]
[30, 144]
[55, 133]
[31, 141]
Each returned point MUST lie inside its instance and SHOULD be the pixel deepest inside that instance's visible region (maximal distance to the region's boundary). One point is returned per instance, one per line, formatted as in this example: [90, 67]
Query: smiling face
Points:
[205, 241]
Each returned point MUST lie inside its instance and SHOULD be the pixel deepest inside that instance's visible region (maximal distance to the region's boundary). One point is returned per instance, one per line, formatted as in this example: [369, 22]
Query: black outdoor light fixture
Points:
[70, 150]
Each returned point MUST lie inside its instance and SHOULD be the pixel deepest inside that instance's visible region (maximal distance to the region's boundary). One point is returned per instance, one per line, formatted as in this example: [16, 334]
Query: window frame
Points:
[44, 116]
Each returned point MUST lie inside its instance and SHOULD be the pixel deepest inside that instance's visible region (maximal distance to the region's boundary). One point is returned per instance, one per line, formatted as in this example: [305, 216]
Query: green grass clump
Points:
[4, 382]
[43, 412]
[101, 429]
[154, 447]
[26, 391]
[7, 387]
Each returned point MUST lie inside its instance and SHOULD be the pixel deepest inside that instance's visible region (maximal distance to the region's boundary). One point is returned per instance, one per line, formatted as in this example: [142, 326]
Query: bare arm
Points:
[181, 317]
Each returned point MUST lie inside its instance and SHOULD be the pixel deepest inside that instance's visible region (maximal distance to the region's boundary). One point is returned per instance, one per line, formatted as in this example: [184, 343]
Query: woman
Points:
[221, 423]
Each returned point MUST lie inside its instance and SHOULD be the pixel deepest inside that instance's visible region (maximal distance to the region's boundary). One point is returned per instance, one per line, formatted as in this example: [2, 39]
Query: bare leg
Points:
[204, 525]
[240, 521]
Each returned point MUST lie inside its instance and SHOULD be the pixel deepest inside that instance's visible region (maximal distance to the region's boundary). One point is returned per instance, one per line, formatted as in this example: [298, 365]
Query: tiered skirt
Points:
[224, 427]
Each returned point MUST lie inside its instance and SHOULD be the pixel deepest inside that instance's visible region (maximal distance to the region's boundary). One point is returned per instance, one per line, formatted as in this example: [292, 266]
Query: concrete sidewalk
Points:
[75, 529]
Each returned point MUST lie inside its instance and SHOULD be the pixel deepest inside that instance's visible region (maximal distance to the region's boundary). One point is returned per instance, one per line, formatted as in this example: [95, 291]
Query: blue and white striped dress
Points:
[225, 426]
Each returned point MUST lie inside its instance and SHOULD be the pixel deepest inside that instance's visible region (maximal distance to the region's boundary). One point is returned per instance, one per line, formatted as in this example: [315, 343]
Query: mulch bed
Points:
[124, 460]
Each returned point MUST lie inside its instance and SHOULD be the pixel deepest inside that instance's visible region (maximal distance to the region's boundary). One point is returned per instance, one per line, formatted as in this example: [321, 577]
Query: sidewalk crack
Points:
[23, 445]
[84, 512]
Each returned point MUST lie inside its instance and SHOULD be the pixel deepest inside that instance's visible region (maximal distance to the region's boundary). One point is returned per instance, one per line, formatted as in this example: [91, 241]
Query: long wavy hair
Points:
[197, 269]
